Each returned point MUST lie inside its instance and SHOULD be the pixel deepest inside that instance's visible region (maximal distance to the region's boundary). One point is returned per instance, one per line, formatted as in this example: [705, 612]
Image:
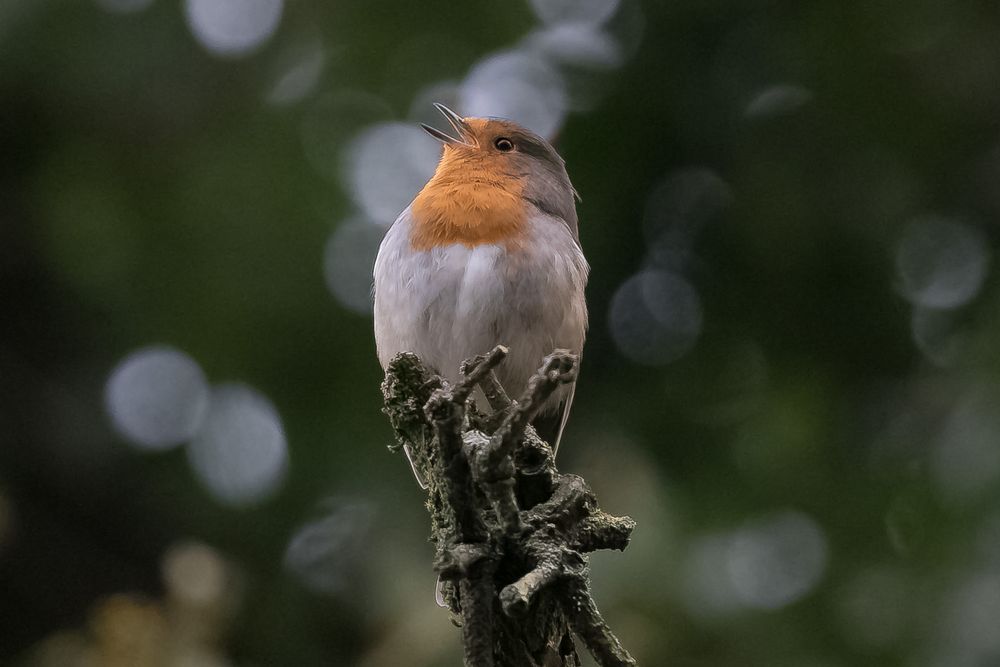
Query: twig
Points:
[590, 626]
[515, 598]
[494, 392]
[476, 370]
[558, 368]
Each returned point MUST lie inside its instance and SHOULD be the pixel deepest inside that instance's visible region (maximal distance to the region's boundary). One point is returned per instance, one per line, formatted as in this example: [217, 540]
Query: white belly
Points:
[454, 302]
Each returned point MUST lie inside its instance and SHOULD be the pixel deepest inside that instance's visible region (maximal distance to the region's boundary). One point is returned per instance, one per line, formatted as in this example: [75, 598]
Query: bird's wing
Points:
[392, 295]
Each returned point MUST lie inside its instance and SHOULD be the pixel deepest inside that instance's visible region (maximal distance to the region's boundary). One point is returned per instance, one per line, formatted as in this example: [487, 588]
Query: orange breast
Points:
[468, 201]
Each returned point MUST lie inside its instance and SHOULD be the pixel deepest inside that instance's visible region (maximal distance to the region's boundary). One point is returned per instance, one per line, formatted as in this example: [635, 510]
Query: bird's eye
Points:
[504, 145]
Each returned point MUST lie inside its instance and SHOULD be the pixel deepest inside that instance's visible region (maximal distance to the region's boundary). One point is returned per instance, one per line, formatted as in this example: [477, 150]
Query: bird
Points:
[488, 253]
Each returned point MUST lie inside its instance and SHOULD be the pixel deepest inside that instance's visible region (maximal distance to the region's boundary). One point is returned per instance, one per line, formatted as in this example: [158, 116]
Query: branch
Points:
[472, 566]
[446, 412]
[603, 531]
[497, 481]
[502, 513]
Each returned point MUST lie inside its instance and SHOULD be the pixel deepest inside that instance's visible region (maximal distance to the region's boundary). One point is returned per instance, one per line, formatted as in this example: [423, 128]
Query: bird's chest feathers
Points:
[471, 206]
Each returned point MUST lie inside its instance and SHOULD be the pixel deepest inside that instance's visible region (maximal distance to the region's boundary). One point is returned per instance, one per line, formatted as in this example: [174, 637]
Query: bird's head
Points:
[500, 152]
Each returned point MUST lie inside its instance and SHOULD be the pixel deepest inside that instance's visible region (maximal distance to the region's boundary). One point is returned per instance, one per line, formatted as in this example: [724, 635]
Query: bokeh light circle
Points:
[776, 560]
[232, 28]
[195, 574]
[965, 464]
[934, 333]
[157, 397]
[298, 73]
[348, 261]
[517, 86]
[323, 553]
[969, 616]
[941, 263]
[240, 453]
[677, 209]
[684, 201]
[655, 317]
[872, 607]
[705, 591]
[577, 45]
[387, 165]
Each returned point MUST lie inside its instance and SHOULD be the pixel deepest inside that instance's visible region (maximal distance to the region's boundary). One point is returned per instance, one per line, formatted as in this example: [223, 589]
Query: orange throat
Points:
[468, 202]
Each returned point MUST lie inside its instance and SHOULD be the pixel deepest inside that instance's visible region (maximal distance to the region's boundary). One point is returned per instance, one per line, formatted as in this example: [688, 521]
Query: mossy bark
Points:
[511, 532]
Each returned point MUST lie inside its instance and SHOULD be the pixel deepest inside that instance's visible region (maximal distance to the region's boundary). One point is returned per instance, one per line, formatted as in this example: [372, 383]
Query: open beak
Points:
[465, 137]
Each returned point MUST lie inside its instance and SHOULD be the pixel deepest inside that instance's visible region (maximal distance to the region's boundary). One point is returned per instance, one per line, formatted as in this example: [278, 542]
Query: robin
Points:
[487, 253]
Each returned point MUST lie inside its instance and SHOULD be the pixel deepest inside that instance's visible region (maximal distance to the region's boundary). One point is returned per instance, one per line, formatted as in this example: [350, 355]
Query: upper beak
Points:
[457, 122]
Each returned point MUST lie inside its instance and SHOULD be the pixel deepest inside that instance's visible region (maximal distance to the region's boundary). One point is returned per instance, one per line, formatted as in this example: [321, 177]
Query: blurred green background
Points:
[791, 378]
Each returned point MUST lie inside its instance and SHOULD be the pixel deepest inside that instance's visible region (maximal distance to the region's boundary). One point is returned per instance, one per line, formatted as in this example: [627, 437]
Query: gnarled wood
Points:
[511, 531]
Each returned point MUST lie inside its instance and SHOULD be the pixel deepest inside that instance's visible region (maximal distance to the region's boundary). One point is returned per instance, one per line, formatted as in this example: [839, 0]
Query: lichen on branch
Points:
[511, 532]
